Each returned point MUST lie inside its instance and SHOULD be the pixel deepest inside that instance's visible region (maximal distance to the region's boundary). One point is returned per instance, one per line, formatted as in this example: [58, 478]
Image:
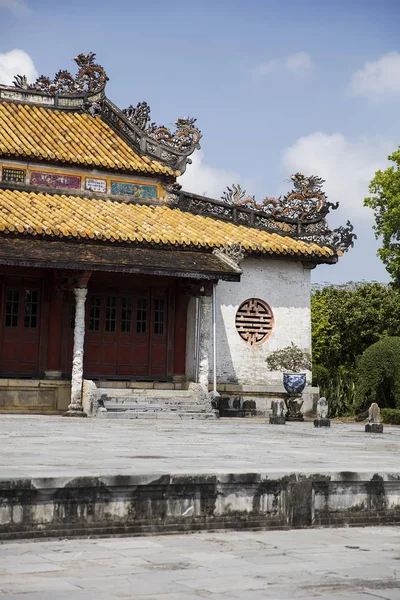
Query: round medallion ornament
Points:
[254, 321]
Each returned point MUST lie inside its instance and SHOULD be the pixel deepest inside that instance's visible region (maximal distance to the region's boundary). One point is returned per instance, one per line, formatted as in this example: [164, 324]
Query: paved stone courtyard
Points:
[331, 564]
[41, 446]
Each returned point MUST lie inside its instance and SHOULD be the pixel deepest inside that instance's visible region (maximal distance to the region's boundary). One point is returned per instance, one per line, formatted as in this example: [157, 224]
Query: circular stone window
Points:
[254, 321]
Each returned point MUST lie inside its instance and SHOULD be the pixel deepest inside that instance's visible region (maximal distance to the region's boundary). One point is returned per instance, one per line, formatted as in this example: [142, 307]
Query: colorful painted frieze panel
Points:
[134, 189]
[55, 180]
[96, 185]
[15, 175]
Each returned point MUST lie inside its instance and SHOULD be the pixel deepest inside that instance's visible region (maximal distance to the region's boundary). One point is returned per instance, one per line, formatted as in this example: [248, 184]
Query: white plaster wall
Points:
[285, 286]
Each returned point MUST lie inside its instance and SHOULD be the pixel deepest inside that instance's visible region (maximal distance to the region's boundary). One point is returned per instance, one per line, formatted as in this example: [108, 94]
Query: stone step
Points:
[138, 403]
[115, 392]
[141, 400]
[114, 406]
[133, 414]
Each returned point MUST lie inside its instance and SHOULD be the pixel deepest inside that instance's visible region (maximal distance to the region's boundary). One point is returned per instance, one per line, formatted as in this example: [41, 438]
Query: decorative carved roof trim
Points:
[300, 214]
[143, 140]
[90, 79]
[231, 254]
[86, 92]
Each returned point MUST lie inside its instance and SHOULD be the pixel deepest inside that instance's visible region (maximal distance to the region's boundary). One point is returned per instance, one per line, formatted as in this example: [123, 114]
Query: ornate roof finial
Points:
[184, 139]
[90, 78]
[300, 213]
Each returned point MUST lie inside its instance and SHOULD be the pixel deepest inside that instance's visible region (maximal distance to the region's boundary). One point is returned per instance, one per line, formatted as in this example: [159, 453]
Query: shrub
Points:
[378, 375]
[390, 416]
[320, 375]
[338, 389]
[290, 359]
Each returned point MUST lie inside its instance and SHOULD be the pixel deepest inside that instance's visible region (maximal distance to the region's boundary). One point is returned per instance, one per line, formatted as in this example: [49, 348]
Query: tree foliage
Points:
[347, 319]
[385, 202]
[378, 375]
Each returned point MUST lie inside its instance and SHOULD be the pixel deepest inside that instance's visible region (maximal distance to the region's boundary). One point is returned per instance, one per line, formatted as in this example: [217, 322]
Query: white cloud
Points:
[201, 178]
[16, 62]
[379, 78]
[18, 7]
[299, 64]
[265, 68]
[347, 166]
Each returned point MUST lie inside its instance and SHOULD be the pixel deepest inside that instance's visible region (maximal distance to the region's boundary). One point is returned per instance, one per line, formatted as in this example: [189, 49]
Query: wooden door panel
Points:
[21, 312]
[29, 351]
[10, 351]
[159, 333]
[127, 333]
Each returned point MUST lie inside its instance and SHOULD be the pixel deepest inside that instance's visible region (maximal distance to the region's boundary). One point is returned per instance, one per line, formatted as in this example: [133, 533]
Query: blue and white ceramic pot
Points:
[294, 383]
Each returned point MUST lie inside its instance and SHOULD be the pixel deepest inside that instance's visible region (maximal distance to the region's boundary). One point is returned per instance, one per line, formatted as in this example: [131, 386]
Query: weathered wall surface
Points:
[166, 503]
[36, 396]
[285, 286]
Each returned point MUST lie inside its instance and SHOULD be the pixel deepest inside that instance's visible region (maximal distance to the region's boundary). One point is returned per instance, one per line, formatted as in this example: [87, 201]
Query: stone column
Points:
[75, 409]
[205, 344]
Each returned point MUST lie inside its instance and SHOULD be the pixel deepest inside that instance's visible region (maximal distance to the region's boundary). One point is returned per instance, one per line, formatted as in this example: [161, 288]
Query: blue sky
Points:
[276, 85]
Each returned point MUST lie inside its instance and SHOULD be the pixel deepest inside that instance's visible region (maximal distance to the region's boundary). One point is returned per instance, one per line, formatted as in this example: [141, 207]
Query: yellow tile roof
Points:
[69, 137]
[37, 214]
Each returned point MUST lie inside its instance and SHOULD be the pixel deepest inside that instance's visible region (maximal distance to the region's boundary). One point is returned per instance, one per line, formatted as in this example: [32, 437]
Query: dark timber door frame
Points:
[129, 332]
[22, 323]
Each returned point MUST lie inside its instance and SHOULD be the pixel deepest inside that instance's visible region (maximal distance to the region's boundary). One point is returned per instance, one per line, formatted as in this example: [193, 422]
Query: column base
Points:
[178, 378]
[53, 374]
[75, 411]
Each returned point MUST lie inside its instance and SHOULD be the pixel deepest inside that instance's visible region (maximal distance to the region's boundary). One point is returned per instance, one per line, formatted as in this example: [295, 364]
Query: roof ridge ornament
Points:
[300, 213]
[185, 138]
[91, 78]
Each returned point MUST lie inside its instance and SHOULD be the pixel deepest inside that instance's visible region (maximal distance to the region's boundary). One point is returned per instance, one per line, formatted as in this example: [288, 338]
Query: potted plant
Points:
[292, 361]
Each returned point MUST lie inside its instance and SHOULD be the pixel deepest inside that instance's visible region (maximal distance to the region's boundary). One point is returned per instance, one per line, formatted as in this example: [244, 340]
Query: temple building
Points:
[115, 279]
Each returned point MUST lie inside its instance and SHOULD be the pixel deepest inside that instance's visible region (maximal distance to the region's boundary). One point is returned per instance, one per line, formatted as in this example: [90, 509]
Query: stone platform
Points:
[83, 476]
[334, 564]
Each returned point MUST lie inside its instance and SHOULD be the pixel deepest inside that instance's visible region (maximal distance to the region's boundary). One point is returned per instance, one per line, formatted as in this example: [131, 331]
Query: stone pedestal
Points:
[322, 422]
[294, 403]
[275, 420]
[374, 428]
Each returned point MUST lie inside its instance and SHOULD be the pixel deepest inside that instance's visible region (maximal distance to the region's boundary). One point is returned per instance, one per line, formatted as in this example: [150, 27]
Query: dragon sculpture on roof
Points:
[91, 78]
[185, 137]
[301, 212]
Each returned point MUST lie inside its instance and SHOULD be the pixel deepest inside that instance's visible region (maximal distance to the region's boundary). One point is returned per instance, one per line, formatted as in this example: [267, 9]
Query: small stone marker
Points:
[374, 424]
[322, 414]
[277, 417]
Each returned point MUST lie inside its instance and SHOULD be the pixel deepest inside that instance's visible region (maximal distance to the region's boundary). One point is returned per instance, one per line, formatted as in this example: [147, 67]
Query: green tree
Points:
[378, 375]
[347, 319]
[385, 202]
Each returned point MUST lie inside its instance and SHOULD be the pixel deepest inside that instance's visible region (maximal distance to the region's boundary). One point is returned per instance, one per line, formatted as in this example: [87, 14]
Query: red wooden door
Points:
[159, 332]
[127, 334]
[20, 343]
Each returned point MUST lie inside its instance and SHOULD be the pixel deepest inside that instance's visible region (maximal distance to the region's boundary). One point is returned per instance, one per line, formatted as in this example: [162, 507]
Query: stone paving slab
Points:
[331, 564]
[47, 446]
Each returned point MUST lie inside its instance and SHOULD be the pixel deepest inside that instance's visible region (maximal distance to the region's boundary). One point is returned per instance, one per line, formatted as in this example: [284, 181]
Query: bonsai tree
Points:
[290, 360]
